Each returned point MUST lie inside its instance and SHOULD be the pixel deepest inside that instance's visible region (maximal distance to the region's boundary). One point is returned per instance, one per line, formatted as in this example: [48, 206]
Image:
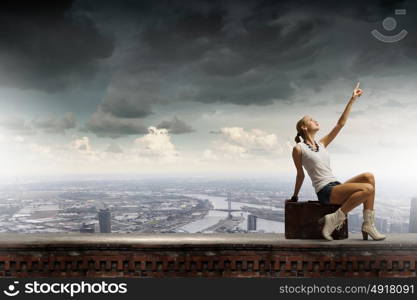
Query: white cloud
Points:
[41, 149]
[236, 142]
[209, 155]
[230, 150]
[252, 140]
[81, 144]
[114, 148]
[157, 143]
[84, 150]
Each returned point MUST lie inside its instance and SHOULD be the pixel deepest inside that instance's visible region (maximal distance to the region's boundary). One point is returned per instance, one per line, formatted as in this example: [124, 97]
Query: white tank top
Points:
[317, 165]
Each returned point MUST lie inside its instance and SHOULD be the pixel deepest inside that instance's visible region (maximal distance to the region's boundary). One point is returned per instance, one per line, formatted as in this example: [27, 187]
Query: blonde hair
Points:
[300, 131]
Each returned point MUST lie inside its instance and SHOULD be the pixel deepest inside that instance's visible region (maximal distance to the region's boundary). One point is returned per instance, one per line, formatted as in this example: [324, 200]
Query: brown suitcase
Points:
[301, 220]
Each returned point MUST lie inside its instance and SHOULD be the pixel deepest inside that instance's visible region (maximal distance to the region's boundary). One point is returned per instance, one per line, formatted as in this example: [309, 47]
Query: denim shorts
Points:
[324, 194]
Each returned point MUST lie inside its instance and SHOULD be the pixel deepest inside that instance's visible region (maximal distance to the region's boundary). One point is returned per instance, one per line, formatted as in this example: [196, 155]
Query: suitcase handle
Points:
[309, 201]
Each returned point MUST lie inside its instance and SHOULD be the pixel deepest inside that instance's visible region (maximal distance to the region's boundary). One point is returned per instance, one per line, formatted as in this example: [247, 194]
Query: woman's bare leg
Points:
[349, 195]
[369, 204]
[366, 177]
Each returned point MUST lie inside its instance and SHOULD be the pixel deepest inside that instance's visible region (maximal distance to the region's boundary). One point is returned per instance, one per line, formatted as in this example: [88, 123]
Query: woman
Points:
[315, 159]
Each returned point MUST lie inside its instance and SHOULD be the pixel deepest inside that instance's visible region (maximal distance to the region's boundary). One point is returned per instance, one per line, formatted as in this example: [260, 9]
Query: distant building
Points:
[251, 223]
[413, 215]
[405, 227]
[229, 204]
[354, 222]
[381, 224]
[384, 228]
[87, 228]
[395, 228]
[104, 220]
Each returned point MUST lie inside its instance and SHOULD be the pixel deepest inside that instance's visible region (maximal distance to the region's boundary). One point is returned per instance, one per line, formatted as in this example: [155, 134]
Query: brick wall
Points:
[203, 255]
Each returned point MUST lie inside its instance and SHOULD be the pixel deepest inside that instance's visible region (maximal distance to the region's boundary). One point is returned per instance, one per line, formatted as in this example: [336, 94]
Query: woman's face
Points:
[311, 123]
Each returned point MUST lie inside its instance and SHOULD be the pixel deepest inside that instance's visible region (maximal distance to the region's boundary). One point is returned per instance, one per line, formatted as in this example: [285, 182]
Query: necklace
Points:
[317, 146]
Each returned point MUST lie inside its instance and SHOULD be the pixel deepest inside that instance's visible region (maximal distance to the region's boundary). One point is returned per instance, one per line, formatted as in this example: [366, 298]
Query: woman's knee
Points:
[367, 188]
[369, 177]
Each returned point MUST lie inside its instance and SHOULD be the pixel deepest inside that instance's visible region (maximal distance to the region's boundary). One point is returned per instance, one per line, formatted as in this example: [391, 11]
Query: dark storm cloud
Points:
[46, 46]
[131, 95]
[126, 107]
[106, 125]
[55, 124]
[52, 124]
[208, 54]
[349, 48]
[242, 52]
[215, 132]
[16, 125]
[176, 126]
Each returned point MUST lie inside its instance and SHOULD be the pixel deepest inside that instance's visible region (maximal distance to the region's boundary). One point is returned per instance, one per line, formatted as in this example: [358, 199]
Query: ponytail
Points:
[297, 138]
[300, 132]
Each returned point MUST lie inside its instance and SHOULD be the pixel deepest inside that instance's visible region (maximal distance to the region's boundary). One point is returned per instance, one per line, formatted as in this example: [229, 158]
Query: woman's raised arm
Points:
[357, 92]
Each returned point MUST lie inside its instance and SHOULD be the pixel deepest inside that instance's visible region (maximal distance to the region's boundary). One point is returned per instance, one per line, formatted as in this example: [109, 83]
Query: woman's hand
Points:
[357, 92]
[294, 199]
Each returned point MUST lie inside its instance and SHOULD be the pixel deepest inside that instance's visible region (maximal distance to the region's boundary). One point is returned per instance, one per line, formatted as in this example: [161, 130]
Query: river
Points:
[214, 216]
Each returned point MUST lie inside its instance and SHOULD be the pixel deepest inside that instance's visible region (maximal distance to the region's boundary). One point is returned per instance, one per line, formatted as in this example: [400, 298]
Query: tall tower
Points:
[413, 215]
[251, 223]
[104, 220]
[229, 204]
[354, 223]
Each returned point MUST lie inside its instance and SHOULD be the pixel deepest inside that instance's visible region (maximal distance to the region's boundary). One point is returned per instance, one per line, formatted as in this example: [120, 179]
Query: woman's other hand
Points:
[294, 199]
[357, 92]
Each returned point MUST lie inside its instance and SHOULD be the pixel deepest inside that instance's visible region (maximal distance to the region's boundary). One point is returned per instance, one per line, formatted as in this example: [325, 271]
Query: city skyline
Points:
[151, 205]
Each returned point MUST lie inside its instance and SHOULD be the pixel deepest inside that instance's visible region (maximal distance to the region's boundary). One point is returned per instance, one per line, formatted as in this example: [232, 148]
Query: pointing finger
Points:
[357, 85]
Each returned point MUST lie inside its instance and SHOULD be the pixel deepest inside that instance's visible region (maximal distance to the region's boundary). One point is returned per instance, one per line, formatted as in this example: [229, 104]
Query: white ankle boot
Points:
[331, 222]
[368, 226]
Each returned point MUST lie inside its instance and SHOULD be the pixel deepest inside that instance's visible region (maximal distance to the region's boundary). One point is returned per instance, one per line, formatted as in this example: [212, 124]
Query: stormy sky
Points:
[201, 86]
